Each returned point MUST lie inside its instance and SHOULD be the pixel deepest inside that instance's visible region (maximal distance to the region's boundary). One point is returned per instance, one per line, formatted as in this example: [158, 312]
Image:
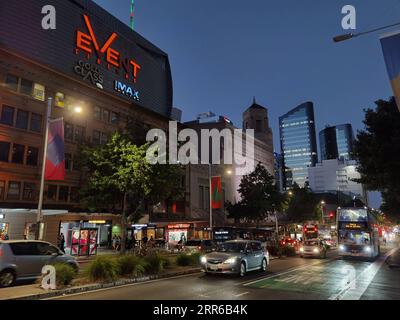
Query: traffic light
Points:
[331, 215]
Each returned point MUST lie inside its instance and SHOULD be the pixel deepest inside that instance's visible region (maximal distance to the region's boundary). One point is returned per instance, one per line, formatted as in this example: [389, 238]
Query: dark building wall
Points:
[337, 142]
[21, 33]
[298, 144]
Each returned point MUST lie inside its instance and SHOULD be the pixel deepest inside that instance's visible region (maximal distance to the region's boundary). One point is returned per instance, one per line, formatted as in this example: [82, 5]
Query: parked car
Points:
[198, 245]
[313, 248]
[236, 257]
[23, 259]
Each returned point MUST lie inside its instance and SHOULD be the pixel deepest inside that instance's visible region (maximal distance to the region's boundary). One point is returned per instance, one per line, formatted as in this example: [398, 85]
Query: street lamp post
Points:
[347, 36]
[39, 217]
[322, 211]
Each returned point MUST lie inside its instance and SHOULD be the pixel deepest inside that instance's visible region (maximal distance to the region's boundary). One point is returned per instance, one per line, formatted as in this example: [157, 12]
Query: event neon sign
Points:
[88, 43]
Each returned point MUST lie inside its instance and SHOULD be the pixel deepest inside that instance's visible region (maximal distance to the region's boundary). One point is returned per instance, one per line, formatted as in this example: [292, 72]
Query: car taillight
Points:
[199, 247]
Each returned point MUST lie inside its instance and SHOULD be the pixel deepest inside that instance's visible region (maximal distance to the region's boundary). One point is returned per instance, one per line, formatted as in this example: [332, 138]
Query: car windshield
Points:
[232, 247]
[193, 243]
[311, 243]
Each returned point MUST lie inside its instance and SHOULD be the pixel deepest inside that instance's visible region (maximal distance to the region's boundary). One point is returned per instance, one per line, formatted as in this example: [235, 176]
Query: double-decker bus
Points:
[357, 232]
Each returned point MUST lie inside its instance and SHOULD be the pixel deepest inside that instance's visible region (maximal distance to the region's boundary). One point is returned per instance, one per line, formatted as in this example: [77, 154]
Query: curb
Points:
[92, 287]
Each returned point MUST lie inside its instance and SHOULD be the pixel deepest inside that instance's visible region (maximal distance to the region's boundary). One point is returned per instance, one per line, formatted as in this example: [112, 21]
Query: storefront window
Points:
[32, 156]
[12, 82]
[14, 190]
[4, 151]
[63, 194]
[29, 191]
[22, 119]
[51, 192]
[7, 115]
[18, 154]
[36, 122]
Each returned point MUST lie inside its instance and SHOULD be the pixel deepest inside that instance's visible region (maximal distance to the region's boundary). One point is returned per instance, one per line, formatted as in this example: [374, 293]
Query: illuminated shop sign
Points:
[89, 72]
[126, 90]
[179, 226]
[105, 53]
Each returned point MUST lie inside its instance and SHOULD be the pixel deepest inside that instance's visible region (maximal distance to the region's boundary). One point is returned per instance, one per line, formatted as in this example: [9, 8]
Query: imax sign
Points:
[126, 90]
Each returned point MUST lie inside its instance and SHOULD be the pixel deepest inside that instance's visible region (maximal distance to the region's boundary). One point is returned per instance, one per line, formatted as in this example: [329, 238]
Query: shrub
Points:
[154, 263]
[195, 259]
[184, 260]
[103, 269]
[130, 265]
[64, 274]
[274, 250]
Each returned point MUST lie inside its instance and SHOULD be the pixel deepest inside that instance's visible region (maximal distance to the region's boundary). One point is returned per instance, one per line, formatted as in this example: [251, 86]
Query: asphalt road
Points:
[291, 278]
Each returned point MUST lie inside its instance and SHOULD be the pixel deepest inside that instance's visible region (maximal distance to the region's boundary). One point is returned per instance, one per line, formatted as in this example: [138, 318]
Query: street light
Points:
[322, 210]
[39, 217]
[347, 36]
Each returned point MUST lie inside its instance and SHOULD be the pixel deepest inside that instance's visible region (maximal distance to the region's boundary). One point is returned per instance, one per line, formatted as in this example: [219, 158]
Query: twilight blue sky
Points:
[224, 52]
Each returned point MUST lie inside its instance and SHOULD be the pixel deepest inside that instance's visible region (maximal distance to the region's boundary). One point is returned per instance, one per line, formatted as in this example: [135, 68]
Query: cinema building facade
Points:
[91, 60]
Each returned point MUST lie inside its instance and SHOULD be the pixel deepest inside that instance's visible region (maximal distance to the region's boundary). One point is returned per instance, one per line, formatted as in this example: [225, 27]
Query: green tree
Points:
[120, 180]
[377, 149]
[303, 205]
[259, 195]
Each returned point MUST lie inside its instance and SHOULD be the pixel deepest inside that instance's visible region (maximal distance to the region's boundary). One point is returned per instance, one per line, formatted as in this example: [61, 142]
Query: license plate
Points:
[213, 266]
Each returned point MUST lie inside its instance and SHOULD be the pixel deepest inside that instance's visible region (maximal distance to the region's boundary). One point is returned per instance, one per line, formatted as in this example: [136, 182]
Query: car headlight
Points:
[301, 249]
[203, 260]
[230, 261]
[342, 247]
[368, 249]
[316, 250]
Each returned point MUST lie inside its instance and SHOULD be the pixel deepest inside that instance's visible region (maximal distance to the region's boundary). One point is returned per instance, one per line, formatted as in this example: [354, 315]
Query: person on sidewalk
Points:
[62, 243]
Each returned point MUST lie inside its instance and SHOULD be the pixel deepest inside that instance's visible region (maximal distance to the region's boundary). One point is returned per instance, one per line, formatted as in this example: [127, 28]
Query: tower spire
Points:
[254, 100]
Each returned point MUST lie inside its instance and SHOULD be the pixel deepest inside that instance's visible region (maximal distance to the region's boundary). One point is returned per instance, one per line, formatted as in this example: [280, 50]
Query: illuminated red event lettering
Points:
[89, 43]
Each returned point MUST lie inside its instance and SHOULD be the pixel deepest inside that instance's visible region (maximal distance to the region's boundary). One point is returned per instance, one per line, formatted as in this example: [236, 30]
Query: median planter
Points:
[103, 268]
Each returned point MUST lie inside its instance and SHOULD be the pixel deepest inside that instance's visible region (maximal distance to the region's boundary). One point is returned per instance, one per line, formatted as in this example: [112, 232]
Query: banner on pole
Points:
[55, 160]
[216, 192]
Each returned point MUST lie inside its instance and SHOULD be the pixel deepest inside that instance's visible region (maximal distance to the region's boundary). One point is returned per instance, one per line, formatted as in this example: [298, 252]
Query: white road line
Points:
[356, 288]
[118, 287]
[288, 271]
[241, 294]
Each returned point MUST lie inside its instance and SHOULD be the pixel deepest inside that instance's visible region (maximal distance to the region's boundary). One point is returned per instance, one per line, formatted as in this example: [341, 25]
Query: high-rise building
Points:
[336, 142]
[298, 144]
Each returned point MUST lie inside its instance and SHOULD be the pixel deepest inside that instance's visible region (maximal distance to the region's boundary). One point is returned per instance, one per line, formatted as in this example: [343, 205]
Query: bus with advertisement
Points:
[358, 234]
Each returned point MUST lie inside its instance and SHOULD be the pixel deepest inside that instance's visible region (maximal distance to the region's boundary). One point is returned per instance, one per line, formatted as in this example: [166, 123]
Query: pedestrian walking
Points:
[62, 243]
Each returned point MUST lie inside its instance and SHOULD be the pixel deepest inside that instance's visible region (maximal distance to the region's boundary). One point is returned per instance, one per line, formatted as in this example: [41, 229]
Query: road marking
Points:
[118, 287]
[241, 294]
[203, 296]
[356, 288]
[288, 271]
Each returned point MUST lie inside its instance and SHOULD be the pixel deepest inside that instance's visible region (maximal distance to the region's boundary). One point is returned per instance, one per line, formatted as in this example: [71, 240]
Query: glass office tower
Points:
[337, 142]
[298, 144]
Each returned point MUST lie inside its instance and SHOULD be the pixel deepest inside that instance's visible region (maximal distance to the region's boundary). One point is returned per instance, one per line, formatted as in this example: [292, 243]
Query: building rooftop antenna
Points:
[132, 16]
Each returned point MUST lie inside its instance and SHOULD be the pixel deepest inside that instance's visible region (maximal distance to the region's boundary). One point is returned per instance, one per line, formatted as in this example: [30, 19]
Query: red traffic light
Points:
[331, 214]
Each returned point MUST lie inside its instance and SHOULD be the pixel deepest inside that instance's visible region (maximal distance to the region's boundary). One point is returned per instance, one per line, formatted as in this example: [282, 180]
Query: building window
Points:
[36, 122]
[22, 119]
[76, 165]
[18, 153]
[7, 115]
[68, 131]
[4, 151]
[29, 192]
[106, 115]
[51, 192]
[75, 195]
[12, 82]
[14, 190]
[97, 113]
[104, 138]
[96, 137]
[114, 118]
[32, 156]
[68, 161]
[2, 189]
[63, 194]
[79, 134]
[26, 87]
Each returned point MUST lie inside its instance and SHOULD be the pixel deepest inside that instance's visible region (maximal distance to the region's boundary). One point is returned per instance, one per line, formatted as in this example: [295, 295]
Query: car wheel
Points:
[264, 265]
[7, 278]
[242, 270]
